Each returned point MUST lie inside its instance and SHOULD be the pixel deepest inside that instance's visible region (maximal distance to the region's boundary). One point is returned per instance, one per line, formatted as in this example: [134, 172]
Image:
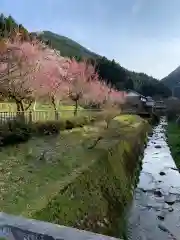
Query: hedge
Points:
[15, 131]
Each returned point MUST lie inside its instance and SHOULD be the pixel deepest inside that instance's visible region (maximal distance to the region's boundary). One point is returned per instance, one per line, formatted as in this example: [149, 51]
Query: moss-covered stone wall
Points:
[96, 198]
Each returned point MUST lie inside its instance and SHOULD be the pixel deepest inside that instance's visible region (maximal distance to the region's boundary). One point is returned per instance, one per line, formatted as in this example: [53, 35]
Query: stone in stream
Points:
[162, 173]
[166, 206]
[163, 228]
[157, 146]
[161, 215]
[158, 193]
[170, 199]
[175, 169]
[170, 209]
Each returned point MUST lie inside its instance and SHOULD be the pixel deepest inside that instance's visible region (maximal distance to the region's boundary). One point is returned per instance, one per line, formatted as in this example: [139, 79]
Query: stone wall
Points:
[96, 197]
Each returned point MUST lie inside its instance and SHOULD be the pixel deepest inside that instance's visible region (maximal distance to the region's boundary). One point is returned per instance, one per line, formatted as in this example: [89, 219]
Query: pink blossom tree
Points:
[30, 71]
[15, 72]
[85, 85]
[79, 79]
[50, 81]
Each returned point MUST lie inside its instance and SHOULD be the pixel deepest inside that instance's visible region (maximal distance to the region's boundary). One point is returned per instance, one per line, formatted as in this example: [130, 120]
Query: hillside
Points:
[172, 81]
[114, 74]
[148, 85]
[109, 70]
[66, 46]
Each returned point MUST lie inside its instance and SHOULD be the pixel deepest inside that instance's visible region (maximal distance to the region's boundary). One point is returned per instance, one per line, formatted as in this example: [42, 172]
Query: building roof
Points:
[132, 92]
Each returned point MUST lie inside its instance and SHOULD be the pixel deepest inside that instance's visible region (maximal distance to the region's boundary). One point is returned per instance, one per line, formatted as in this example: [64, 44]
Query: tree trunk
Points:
[28, 106]
[18, 106]
[76, 108]
[55, 109]
[22, 116]
[21, 106]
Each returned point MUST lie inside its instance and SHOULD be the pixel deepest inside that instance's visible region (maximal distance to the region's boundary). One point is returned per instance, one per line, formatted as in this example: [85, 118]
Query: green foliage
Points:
[111, 71]
[148, 86]
[54, 127]
[101, 191]
[172, 81]
[172, 108]
[122, 78]
[171, 115]
[173, 133]
[47, 128]
[155, 119]
[9, 25]
[66, 46]
[14, 132]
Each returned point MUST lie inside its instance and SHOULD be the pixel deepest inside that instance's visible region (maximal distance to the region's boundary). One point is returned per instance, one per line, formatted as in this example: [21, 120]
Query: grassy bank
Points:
[30, 172]
[63, 179]
[173, 133]
[16, 131]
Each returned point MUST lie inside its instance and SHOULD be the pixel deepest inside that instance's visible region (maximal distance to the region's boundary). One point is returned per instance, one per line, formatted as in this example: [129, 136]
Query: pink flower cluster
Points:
[35, 69]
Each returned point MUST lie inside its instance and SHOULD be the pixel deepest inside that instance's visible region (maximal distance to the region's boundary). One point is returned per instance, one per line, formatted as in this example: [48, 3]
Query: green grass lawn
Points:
[31, 173]
[173, 133]
[27, 179]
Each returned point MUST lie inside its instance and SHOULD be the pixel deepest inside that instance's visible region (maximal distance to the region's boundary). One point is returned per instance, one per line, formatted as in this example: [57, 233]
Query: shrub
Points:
[172, 115]
[173, 108]
[155, 119]
[16, 131]
[79, 121]
[47, 128]
[13, 132]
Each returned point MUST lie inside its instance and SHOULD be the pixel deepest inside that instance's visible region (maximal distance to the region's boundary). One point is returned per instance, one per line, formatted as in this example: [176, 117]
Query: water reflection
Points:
[155, 212]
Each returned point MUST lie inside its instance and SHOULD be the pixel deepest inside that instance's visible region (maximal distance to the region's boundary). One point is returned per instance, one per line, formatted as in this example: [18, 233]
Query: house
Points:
[160, 105]
[135, 99]
[130, 94]
[150, 102]
[140, 102]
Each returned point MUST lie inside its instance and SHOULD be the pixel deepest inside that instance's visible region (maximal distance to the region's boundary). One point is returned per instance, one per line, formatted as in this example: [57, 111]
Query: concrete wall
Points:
[19, 228]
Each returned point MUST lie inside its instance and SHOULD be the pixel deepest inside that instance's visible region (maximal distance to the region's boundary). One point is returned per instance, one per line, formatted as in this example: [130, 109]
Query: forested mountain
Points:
[109, 70]
[173, 82]
[148, 85]
[66, 46]
[8, 26]
[122, 78]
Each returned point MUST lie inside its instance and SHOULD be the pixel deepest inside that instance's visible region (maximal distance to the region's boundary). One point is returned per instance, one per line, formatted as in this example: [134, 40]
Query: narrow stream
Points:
[155, 211]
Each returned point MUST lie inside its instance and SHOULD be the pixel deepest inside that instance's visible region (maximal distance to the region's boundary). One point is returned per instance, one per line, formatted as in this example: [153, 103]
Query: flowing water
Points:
[155, 211]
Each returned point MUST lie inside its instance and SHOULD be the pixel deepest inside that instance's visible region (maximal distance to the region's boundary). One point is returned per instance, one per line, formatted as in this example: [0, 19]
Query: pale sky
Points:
[142, 35]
